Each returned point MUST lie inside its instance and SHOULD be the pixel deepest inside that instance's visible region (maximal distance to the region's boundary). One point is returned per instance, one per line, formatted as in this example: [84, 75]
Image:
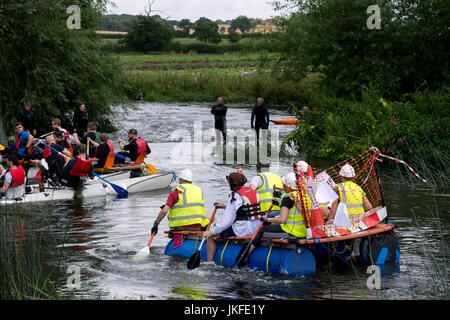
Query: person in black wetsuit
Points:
[260, 117]
[26, 117]
[220, 111]
[80, 120]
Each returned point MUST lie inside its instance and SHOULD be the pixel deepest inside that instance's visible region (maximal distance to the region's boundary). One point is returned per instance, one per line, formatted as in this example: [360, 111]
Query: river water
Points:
[100, 235]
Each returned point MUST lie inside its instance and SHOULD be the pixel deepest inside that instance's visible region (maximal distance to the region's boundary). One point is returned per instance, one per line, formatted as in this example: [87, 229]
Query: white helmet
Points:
[347, 171]
[302, 166]
[290, 180]
[186, 175]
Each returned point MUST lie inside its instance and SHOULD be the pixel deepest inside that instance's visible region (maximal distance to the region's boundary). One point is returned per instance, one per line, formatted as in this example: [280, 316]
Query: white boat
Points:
[115, 176]
[95, 188]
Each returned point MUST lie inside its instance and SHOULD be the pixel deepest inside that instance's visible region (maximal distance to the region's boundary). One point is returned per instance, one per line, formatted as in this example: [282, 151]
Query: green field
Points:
[225, 63]
[239, 78]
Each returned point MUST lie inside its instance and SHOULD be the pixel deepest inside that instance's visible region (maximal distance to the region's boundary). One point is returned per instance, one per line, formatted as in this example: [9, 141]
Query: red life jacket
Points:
[110, 145]
[81, 167]
[141, 145]
[249, 193]
[20, 144]
[47, 153]
[18, 177]
[248, 211]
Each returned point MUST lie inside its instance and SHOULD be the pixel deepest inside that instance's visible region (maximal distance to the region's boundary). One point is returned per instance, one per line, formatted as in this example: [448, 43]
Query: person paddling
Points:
[78, 168]
[131, 151]
[14, 184]
[290, 219]
[237, 218]
[184, 205]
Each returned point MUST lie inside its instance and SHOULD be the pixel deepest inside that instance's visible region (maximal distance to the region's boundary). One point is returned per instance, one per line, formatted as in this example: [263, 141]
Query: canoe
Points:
[294, 256]
[286, 122]
[96, 188]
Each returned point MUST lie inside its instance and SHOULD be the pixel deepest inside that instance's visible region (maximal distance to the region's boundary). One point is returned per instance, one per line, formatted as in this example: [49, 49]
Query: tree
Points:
[242, 23]
[207, 30]
[234, 36]
[410, 49]
[53, 67]
[148, 35]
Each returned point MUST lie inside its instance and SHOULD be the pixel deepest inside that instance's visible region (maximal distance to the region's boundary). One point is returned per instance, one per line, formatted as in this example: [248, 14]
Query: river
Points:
[100, 235]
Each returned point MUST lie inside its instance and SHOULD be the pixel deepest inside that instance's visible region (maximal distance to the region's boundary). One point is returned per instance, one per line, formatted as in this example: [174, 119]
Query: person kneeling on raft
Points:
[290, 219]
[78, 168]
[235, 221]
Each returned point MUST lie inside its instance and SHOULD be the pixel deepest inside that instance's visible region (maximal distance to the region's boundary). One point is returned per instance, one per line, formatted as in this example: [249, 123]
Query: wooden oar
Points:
[245, 250]
[119, 190]
[144, 252]
[194, 260]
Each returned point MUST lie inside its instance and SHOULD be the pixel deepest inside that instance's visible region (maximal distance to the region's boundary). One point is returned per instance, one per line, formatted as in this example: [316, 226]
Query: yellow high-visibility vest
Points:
[190, 207]
[295, 224]
[352, 195]
[265, 192]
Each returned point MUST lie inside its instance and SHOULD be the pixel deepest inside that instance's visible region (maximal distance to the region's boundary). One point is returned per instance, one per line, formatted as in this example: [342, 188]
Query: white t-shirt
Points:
[257, 181]
[241, 227]
[16, 192]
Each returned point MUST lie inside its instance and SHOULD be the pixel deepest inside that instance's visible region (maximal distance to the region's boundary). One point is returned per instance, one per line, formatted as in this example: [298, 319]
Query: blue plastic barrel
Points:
[272, 260]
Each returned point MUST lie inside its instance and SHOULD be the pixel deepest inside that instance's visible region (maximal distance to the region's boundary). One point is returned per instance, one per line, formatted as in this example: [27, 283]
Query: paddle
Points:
[119, 190]
[144, 252]
[245, 250]
[150, 169]
[194, 260]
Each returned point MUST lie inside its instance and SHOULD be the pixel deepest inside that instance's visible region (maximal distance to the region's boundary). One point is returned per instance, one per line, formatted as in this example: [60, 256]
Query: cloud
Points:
[194, 9]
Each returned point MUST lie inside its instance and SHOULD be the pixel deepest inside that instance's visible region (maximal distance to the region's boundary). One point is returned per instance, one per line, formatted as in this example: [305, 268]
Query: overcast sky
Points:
[194, 9]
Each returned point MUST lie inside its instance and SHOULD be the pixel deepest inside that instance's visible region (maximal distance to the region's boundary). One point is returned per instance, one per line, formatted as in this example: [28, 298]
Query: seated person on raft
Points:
[54, 162]
[136, 145]
[14, 184]
[239, 216]
[130, 152]
[263, 184]
[24, 140]
[90, 133]
[77, 169]
[102, 150]
[184, 205]
[290, 219]
[350, 194]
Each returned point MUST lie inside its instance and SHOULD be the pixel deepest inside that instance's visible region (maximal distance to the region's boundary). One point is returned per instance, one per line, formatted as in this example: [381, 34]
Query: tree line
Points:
[124, 23]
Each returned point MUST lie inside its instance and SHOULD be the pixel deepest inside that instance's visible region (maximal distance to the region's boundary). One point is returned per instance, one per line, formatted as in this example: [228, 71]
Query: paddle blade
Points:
[150, 169]
[142, 254]
[241, 258]
[194, 261]
[120, 191]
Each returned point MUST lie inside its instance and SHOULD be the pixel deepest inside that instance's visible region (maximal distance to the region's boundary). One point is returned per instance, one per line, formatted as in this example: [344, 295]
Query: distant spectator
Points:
[80, 121]
[26, 117]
